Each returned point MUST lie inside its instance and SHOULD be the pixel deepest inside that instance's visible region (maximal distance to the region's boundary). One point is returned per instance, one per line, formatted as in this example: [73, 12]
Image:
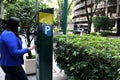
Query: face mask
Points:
[18, 28]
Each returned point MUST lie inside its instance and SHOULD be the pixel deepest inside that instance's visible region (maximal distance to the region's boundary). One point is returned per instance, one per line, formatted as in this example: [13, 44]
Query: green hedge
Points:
[88, 57]
[102, 22]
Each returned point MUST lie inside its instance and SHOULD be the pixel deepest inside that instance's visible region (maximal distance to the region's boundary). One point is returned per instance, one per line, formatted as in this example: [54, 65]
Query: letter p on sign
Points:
[47, 29]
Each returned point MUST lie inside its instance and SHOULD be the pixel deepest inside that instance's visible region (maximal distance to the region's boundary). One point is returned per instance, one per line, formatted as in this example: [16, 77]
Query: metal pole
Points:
[36, 5]
[65, 16]
[36, 10]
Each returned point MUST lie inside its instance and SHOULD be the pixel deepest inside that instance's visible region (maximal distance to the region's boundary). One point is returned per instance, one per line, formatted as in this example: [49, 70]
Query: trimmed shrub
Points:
[88, 57]
[102, 23]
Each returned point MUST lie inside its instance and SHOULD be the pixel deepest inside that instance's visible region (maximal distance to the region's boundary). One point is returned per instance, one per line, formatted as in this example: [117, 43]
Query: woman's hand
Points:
[32, 47]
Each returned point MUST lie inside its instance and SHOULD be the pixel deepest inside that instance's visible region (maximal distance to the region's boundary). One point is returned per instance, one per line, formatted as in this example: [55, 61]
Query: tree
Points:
[102, 23]
[60, 10]
[11, 1]
[26, 11]
[90, 11]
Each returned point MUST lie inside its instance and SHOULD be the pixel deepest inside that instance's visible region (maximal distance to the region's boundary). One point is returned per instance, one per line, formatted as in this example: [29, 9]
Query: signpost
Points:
[44, 44]
[65, 16]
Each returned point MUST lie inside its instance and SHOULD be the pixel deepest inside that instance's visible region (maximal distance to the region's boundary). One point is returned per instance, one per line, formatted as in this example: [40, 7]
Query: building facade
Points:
[105, 8]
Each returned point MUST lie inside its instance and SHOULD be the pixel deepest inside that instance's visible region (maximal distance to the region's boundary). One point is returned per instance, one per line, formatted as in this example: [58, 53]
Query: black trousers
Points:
[14, 73]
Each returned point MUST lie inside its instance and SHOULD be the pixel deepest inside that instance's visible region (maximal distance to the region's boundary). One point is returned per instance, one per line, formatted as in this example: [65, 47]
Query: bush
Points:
[102, 23]
[104, 34]
[88, 57]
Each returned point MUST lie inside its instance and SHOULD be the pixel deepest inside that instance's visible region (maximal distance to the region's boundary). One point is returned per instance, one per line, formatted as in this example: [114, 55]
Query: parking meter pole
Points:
[65, 16]
[44, 45]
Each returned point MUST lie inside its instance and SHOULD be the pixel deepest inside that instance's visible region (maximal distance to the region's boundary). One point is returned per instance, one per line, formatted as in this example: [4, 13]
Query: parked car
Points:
[78, 31]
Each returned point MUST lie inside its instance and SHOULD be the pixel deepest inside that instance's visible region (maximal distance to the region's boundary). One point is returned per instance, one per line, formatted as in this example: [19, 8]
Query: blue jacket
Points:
[11, 52]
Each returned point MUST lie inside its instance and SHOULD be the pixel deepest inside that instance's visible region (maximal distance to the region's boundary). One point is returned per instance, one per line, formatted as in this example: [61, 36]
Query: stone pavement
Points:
[56, 76]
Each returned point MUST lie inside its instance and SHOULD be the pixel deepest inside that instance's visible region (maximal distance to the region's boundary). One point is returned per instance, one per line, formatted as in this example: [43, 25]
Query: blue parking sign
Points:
[47, 29]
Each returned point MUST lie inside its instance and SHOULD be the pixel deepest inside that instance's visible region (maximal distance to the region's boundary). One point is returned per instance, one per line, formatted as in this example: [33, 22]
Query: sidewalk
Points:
[56, 76]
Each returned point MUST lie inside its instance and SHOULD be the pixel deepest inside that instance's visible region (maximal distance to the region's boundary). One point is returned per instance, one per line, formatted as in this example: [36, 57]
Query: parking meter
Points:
[44, 42]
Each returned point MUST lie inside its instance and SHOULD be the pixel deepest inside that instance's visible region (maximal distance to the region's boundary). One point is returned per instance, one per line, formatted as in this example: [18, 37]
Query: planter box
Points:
[30, 66]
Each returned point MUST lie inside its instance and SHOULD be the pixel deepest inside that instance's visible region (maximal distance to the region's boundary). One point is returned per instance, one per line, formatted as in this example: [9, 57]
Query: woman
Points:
[11, 51]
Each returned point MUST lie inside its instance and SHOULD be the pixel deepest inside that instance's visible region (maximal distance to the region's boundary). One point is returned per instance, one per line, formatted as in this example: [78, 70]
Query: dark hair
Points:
[2, 25]
[12, 24]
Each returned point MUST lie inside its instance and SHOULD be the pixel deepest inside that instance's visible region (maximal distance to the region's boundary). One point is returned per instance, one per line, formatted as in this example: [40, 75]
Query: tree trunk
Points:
[106, 8]
[89, 26]
[118, 27]
[28, 44]
[118, 20]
